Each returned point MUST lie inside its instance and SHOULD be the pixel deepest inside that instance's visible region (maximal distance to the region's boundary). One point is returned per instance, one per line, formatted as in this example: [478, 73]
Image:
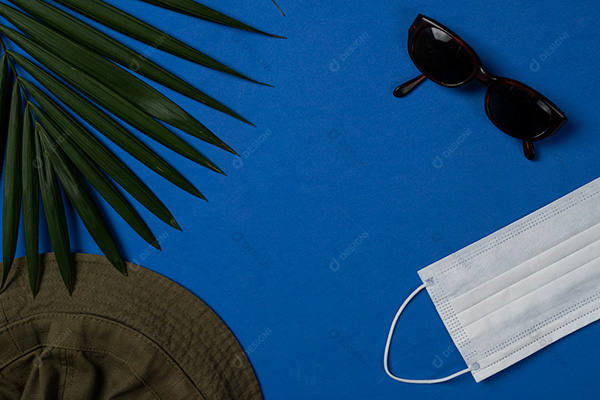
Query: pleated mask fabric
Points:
[521, 288]
[137, 337]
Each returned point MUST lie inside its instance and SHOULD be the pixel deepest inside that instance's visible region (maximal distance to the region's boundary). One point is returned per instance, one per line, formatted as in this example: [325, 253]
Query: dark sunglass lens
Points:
[517, 111]
[442, 58]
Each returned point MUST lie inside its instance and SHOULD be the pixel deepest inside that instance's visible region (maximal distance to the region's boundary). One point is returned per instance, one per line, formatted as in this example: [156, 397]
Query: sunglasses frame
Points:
[557, 117]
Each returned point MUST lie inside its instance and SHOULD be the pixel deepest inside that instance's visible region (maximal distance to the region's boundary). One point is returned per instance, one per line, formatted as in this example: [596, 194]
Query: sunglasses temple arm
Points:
[528, 149]
[407, 87]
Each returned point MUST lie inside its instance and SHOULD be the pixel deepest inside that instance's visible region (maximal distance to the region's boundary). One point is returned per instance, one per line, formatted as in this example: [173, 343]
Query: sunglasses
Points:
[515, 108]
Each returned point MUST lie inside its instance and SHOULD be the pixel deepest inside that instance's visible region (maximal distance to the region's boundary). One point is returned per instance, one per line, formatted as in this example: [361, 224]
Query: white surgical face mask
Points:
[523, 287]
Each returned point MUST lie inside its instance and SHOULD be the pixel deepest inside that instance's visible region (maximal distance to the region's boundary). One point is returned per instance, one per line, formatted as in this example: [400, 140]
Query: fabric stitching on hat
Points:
[97, 351]
[150, 321]
[150, 291]
[230, 341]
[193, 340]
[64, 356]
[30, 321]
[73, 370]
[6, 322]
[186, 337]
[15, 387]
[154, 325]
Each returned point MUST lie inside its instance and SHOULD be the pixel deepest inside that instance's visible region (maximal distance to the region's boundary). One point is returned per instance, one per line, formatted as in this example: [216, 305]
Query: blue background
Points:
[343, 192]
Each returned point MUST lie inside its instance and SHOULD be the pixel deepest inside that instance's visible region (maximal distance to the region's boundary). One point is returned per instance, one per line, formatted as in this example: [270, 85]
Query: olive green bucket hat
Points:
[138, 337]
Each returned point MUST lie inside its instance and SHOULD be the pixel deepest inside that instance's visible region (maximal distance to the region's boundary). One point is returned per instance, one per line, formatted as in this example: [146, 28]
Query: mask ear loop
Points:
[386, 353]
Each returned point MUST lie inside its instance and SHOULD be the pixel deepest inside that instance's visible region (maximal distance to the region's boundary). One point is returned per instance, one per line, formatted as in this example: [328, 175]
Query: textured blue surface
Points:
[343, 192]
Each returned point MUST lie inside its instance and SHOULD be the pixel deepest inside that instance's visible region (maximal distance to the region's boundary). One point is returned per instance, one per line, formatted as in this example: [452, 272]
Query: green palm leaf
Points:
[105, 125]
[55, 213]
[75, 56]
[79, 70]
[133, 27]
[194, 9]
[96, 178]
[116, 104]
[12, 183]
[31, 200]
[101, 43]
[82, 200]
[70, 132]
[5, 86]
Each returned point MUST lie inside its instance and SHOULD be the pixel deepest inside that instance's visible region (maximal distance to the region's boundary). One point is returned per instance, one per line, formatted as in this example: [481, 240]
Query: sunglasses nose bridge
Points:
[485, 76]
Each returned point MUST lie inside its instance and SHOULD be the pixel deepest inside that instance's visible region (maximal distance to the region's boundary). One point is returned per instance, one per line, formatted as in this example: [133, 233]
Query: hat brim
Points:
[173, 340]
